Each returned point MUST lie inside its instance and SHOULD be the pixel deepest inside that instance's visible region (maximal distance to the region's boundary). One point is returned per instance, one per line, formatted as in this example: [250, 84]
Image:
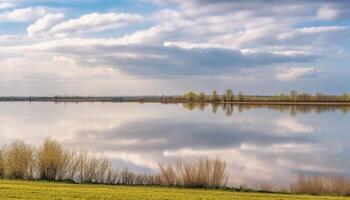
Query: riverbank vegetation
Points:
[293, 96]
[228, 96]
[52, 162]
[331, 185]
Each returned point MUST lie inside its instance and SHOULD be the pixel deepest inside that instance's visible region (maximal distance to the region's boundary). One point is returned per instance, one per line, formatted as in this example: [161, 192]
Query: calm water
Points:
[262, 145]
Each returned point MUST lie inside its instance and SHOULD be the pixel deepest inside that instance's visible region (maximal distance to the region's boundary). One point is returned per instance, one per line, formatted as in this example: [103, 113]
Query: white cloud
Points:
[44, 24]
[293, 126]
[205, 38]
[6, 5]
[150, 59]
[327, 12]
[96, 22]
[9, 39]
[23, 14]
[295, 72]
[187, 45]
[312, 31]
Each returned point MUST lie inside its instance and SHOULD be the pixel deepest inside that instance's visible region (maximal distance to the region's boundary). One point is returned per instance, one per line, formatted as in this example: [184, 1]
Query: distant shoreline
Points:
[159, 99]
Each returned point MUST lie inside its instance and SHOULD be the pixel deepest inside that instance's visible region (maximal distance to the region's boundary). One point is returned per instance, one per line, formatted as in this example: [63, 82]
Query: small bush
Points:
[19, 161]
[81, 165]
[266, 187]
[52, 160]
[2, 170]
[207, 173]
[330, 185]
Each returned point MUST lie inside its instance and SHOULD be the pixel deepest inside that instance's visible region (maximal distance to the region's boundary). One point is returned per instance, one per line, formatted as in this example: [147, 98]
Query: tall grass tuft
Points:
[330, 185]
[204, 173]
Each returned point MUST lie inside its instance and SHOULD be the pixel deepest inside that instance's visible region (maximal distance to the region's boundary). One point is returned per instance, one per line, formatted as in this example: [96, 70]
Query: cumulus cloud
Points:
[23, 14]
[295, 72]
[44, 24]
[186, 38]
[167, 59]
[96, 22]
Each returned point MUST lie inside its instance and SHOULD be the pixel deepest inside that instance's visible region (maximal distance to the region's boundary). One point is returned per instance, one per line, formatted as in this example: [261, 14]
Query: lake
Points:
[261, 144]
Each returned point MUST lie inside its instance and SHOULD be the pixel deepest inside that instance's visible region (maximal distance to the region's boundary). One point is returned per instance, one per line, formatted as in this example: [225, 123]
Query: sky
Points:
[154, 47]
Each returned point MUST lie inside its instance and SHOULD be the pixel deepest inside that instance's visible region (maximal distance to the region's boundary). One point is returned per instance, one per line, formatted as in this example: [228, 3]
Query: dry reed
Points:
[51, 161]
[18, 159]
[330, 185]
[204, 173]
[2, 170]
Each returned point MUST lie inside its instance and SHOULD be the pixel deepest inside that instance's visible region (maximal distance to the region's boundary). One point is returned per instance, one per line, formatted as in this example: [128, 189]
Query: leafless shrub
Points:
[2, 170]
[207, 173]
[81, 164]
[53, 161]
[266, 187]
[18, 161]
[243, 186]
[169, 176]
[153, 179]
[90, 172]
[331, 185]
[219, 175]
[104, 166]
[66, 166]
[283, 189]
[127, 177]
[111, 176]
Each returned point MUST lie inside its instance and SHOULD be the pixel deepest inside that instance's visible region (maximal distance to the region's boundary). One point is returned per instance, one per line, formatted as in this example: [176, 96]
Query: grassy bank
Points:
[50, 190]
[52, 162]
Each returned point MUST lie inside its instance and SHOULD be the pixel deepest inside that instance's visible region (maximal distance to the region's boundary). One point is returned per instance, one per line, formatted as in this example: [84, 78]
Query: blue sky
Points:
[140, 47]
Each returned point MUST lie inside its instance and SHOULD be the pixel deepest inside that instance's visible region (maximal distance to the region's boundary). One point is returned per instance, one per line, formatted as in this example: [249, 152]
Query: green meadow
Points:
[49, 190]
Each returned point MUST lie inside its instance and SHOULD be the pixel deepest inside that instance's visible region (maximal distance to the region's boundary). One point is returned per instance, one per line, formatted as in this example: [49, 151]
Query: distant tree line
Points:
[293, 96]
[214, 97]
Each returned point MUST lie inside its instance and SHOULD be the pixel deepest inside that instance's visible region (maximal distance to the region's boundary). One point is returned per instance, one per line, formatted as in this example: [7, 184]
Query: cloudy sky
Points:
[139, 47]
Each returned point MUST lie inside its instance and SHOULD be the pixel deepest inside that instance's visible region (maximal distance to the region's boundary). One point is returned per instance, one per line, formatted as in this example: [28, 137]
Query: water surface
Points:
[261, 144]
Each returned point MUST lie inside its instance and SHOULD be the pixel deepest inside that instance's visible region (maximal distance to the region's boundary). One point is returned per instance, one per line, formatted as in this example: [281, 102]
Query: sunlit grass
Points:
[50, 190]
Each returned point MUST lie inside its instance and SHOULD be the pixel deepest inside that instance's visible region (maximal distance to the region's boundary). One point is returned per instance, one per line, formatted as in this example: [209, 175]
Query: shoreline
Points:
[150, 100]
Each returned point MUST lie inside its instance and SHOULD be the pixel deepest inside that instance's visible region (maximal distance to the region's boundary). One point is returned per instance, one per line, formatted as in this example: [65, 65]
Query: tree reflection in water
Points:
[293, 110]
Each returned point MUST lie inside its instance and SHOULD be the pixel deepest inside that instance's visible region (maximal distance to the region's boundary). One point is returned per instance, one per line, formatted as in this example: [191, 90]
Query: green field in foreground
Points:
[45, 190]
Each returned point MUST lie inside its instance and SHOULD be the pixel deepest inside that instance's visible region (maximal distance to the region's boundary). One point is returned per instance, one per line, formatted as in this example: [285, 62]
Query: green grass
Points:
[48, 190]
